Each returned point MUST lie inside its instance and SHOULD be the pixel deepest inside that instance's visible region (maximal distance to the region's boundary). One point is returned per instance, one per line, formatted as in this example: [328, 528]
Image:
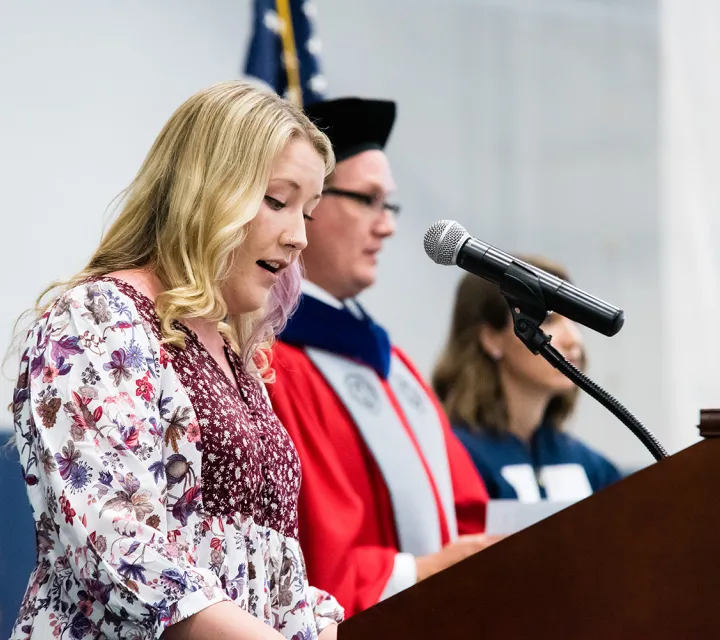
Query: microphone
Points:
[447, 242]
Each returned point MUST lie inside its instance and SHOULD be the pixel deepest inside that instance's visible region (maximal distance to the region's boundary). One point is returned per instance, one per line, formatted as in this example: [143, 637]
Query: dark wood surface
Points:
[637, 560]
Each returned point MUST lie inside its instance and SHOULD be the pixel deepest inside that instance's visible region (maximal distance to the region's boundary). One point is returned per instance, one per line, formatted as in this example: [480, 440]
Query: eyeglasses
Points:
[375, 203]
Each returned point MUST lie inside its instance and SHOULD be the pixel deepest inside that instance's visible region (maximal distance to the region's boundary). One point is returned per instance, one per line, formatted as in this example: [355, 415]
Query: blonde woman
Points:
[164, 489]
[508, 406]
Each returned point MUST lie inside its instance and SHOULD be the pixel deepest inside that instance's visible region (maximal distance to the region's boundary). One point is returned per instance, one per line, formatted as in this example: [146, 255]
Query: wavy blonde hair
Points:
[188, 208]
[466, 377]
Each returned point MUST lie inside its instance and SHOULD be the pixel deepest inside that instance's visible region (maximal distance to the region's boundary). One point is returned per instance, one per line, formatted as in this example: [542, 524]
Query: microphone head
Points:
[443, 241]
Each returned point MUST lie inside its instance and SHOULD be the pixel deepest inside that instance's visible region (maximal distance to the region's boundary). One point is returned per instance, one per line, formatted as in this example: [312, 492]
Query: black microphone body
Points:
[486, 261]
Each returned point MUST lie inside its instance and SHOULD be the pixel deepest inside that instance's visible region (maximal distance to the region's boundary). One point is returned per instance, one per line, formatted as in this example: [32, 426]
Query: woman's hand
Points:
[329, 633]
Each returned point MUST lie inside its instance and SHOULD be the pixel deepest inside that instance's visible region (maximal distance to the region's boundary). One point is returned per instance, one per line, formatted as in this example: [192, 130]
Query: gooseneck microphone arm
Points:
[521, 289]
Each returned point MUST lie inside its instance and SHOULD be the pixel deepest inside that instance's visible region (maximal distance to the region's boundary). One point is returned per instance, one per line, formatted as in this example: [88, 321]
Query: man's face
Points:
[350, 224]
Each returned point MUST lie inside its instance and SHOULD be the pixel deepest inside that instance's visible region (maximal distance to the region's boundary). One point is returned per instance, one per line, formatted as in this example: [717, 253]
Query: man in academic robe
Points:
[389, 496]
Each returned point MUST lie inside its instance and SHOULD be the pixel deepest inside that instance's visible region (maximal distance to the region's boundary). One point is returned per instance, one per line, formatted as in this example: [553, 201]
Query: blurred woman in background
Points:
[164, 488]
[508, 406]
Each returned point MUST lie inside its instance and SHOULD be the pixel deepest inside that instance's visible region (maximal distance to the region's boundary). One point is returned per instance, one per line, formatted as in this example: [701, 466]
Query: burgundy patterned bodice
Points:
[249, 463]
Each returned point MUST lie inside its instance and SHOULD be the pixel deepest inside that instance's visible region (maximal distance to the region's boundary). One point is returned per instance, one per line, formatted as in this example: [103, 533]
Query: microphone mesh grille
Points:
[442, 239]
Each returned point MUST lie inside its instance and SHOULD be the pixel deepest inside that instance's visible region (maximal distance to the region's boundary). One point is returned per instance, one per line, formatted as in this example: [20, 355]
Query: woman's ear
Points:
[491, 341]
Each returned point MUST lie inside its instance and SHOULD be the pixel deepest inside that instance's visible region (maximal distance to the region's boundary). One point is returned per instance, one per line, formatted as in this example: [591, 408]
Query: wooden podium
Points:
[640, 559]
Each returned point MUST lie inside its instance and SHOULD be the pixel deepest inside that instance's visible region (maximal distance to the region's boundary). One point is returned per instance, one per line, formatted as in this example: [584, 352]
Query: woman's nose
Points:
[567, 334]
[296, 237]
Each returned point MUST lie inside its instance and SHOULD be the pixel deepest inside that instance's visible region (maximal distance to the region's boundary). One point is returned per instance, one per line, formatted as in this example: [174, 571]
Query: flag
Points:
[284, 51]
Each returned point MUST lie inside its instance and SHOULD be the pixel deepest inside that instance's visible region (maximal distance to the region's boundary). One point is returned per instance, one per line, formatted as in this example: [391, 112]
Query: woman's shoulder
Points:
[96, 304]
[479, 440]
[490, 452]
[475, 432]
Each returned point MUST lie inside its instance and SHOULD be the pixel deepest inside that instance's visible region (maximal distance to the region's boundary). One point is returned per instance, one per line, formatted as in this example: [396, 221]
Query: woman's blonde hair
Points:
[466, 377]
[188, 208]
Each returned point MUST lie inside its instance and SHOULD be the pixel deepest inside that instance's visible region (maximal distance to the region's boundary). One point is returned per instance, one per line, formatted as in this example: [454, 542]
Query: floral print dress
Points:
[158, 487]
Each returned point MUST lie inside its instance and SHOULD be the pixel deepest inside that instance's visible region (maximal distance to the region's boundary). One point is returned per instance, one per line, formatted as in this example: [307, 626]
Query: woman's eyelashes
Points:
[277, 205]
[274, 203]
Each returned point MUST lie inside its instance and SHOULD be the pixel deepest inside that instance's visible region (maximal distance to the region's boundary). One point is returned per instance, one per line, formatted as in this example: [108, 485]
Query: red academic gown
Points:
[347, 527]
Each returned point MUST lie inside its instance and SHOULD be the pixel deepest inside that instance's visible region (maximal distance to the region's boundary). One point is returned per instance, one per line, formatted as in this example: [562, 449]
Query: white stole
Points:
[413, 501]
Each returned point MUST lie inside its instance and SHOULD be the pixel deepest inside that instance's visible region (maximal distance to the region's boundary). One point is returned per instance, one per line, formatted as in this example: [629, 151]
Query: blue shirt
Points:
[551, 457]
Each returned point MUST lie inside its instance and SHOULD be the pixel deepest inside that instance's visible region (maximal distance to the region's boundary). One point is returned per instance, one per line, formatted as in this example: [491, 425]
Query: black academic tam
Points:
[354, 125]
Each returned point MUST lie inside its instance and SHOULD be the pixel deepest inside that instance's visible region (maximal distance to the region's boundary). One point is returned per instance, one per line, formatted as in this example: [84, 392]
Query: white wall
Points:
[535, 124]
[86, 85]
[691, 205]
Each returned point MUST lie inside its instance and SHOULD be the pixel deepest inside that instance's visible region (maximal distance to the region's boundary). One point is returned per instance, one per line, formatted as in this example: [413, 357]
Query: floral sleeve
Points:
[94, 417]
[327, 610]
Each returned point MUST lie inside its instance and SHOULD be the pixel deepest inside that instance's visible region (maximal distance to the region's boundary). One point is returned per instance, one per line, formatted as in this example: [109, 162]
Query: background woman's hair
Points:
[466, 378]
[189, 207]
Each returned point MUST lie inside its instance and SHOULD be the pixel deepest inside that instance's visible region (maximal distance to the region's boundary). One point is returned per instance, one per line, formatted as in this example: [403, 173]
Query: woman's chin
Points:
[249, 303]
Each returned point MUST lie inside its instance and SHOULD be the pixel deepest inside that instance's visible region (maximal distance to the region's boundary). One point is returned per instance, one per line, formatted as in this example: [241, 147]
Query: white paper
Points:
[505, 517]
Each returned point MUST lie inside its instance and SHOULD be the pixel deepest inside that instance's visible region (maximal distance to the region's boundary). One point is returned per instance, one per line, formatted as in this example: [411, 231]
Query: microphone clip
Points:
[523, 293]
